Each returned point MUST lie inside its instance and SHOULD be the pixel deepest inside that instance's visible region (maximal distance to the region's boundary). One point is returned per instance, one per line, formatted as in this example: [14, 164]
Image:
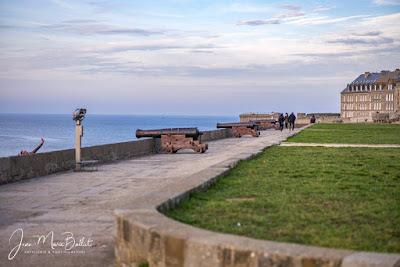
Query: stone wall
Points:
[16, 168]
[254, 116]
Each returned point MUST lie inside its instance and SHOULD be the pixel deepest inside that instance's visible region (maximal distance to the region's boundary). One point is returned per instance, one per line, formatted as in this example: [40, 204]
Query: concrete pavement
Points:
[67, 219]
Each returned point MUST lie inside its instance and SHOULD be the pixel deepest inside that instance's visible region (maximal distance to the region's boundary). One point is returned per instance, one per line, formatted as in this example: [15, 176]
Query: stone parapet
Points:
[16, 168]
[145, 235]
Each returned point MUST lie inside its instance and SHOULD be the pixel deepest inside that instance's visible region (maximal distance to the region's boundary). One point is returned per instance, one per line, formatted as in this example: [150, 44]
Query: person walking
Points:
[312, 120]
[286, 120]
[292, 118]
[281, 119]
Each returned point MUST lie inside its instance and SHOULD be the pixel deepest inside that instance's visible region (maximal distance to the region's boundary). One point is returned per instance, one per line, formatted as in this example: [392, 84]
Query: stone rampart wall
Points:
[16, 168]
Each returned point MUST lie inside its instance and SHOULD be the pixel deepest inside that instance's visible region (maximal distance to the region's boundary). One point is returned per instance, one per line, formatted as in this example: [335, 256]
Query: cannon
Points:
[174, 139]
[267, 124]
[241, 128]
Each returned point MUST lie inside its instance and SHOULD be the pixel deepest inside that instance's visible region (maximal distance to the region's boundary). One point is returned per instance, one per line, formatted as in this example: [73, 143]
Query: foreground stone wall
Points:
[16, 168]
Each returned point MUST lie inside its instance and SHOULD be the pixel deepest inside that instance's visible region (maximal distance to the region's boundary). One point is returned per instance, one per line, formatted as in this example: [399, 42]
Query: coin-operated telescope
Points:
[78, 116]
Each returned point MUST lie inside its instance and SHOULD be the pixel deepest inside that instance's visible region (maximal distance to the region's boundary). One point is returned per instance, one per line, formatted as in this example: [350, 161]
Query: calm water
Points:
[23, 131]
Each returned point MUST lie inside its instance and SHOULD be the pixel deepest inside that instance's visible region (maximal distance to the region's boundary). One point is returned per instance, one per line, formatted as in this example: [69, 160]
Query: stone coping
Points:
[144, 235]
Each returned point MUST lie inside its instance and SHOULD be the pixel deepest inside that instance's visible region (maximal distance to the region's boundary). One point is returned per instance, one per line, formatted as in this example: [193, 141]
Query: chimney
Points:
[366, 74]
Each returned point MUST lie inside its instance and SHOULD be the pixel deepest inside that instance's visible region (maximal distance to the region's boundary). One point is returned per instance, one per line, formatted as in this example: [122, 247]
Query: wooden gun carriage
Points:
[174, 139]
[241, 128]
[267, 124]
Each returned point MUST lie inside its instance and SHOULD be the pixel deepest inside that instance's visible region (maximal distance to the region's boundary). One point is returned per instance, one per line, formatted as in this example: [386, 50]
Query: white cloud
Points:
[241, 8]
[257, 22]
[323, 8]
[318, 20]
[386, 2]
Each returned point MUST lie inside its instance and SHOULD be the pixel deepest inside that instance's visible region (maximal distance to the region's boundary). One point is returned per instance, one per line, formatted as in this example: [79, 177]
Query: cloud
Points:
[323, 8]
[101, 30]
[313, 20]
[368, 33]
[240, 8]
[292, 11]
[386, 2]
[78, 21]
[103, 6]
[341, 55]
[6, 26]
[354, 41]
[63, 4]
[257, 22]
[153, 47]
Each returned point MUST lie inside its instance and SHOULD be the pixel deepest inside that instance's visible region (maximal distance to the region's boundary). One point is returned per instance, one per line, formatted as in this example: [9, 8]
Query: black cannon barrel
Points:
[188, 132]
[236, 124]
[264, 121]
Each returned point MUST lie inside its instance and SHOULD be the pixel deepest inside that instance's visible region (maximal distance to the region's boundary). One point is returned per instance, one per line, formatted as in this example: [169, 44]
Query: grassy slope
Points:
[333, 197]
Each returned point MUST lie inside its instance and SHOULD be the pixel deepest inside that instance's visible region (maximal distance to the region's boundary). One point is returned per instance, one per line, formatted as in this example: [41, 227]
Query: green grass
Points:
[332, 197]
[350, 133]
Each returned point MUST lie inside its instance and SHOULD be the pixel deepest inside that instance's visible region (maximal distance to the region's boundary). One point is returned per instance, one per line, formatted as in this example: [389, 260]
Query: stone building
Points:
[370, 94]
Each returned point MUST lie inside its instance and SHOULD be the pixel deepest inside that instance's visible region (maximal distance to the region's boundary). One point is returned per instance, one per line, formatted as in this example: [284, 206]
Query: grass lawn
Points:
[350, 133]
[332, 197]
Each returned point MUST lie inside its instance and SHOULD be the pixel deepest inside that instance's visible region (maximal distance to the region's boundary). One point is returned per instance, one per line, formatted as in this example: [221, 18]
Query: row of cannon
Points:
[173, 139]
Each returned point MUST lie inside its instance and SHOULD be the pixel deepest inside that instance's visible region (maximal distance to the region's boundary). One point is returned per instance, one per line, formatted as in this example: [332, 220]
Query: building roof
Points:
[371, 78]
[375, 77]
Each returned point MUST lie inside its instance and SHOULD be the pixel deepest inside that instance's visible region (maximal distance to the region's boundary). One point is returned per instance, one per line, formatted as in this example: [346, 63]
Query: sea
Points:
[25, 131]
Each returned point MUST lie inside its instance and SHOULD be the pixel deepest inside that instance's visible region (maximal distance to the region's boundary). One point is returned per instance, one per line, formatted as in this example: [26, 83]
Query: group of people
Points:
[287, 119]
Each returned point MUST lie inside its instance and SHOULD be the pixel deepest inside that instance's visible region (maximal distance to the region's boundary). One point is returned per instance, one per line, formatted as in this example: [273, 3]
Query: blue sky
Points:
[189, 57]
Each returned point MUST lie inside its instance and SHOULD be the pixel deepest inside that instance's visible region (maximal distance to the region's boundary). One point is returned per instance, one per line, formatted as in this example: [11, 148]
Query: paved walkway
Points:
[337, 145]
[76, 208]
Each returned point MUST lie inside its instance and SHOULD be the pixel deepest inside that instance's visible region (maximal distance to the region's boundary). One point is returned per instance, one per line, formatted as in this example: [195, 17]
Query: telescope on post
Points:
[78, 115]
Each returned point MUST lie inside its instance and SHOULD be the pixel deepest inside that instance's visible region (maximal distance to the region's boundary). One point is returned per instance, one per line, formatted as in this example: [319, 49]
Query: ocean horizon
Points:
[25, 131]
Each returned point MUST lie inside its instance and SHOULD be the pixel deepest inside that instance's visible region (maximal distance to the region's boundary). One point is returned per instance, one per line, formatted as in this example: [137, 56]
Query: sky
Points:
[187, 57]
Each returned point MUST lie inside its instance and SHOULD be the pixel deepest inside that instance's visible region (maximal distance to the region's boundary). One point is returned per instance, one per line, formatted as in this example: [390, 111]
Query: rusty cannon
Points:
[241, 128]
[267, 124]
[174, 139]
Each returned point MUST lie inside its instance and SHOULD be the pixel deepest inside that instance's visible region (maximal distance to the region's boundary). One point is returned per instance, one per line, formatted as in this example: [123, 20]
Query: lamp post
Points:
[78, 116]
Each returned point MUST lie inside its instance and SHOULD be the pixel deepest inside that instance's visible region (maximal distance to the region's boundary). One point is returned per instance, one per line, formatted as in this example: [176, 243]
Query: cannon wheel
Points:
[169, 150]
[199, 150]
